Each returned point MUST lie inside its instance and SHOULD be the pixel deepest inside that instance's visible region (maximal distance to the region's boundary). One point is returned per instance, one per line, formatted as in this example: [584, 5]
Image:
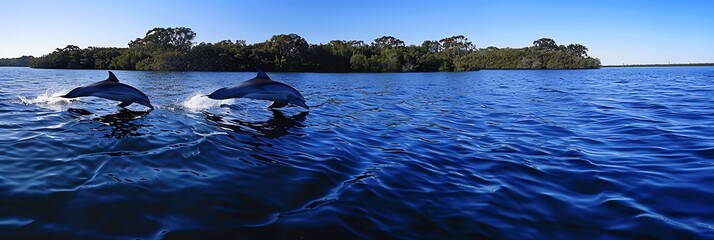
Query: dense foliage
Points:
[16, 62]
[172, 49]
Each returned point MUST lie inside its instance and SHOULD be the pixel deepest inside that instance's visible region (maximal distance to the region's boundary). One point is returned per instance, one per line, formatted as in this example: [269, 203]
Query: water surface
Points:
[608, 153]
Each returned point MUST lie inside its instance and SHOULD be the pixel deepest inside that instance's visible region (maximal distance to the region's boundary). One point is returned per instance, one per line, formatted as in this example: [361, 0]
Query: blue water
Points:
[580, 154]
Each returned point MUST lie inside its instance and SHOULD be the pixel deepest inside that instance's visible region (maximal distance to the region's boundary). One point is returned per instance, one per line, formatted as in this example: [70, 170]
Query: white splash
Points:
[200, 101]
[48, 99]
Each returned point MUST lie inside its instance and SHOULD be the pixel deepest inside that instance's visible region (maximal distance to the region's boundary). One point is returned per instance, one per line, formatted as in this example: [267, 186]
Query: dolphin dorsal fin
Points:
[112, 77]
[261, 74]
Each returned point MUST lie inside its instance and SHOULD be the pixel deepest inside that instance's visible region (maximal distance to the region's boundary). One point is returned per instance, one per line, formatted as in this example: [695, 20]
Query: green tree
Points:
[456, 45]
[578, 49]
[545, 44]
[387, 42]
[359, 63]
[172, 49]
[289, 51]
[180, 38]
[432, 46]
[19, 62]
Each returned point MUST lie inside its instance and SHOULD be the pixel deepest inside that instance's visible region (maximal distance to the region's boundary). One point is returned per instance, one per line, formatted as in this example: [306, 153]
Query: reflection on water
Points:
[275, 127]
[592, 154]
[79, 111]
[121, 122]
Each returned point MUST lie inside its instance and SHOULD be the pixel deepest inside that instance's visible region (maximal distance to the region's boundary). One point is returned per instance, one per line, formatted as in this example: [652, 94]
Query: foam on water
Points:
[606, 153]
[200, 101]
[50, 99]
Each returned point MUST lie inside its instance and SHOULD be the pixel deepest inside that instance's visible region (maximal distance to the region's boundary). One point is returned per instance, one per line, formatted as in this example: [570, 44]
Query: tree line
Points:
[173, 49]
[16, 62]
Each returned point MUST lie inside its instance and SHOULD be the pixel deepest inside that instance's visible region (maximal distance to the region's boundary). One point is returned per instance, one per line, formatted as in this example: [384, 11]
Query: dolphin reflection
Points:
[275, 127]
[120, 122]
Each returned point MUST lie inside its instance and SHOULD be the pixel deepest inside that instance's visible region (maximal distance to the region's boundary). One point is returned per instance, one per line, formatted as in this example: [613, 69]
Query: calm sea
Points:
[573, 154]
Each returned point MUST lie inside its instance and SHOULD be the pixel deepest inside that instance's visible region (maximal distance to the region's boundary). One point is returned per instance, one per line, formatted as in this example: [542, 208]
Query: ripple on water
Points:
[608, 153]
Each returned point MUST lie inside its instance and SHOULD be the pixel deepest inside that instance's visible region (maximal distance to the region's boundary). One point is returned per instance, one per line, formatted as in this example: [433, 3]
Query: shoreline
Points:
[661, 65]
[520, 69]
[474, 70]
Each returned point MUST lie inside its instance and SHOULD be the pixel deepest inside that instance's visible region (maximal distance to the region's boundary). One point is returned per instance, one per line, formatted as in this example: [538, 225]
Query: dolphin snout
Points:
[219, 94]
[301, 104]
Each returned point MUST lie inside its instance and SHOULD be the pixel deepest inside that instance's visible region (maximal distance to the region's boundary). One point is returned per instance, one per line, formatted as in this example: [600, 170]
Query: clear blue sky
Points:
[615, 31]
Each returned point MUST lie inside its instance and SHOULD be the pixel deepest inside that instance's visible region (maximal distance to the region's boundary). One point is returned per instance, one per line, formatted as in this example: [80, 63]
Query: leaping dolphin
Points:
[112, 89]
[261, 87]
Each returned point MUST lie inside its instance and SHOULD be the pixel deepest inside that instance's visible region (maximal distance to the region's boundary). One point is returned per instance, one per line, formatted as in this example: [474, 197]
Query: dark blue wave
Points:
[591, 154]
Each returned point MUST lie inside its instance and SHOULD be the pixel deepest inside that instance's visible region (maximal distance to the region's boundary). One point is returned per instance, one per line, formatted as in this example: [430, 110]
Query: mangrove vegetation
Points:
[173, 49]
[23, 61]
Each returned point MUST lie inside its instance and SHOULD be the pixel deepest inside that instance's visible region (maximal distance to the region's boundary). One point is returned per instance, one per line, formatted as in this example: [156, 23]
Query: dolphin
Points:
[261, 87]
[112, 89]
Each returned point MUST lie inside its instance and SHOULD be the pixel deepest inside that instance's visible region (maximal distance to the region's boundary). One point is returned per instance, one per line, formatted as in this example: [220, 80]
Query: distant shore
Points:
[661, 65]
[173, 49]
[604, 66]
